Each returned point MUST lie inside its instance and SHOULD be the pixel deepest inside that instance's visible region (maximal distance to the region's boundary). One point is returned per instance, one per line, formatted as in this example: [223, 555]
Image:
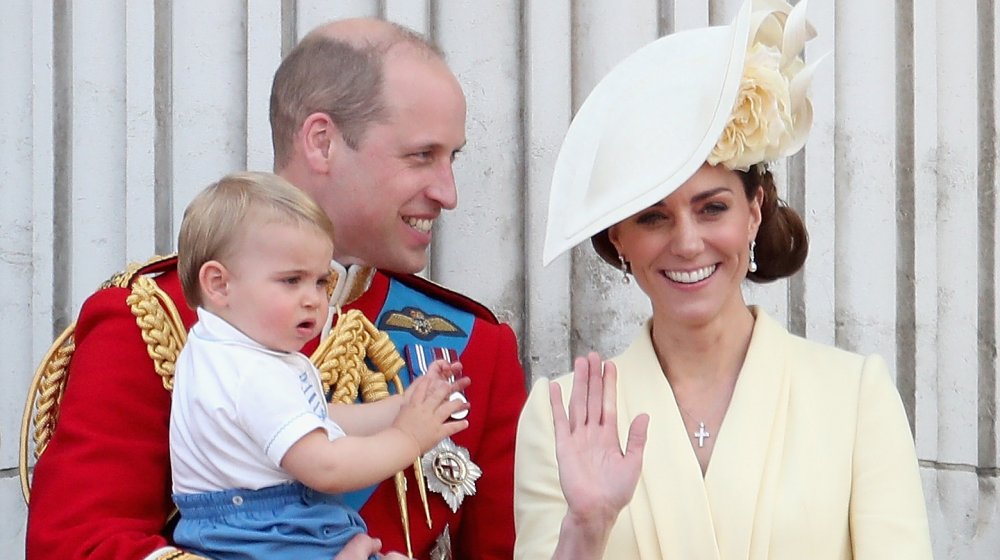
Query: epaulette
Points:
[446, 295]
[123, 278]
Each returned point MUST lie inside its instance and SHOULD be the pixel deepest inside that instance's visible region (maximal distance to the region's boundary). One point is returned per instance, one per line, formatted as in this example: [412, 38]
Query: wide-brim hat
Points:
[733, 95]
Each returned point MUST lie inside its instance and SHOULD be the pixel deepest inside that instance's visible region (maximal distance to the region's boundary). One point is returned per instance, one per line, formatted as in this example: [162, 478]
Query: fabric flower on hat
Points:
[772, 114]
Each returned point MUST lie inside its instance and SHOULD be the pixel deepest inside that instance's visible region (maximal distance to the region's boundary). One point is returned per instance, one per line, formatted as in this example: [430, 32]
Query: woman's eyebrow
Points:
[709, 193]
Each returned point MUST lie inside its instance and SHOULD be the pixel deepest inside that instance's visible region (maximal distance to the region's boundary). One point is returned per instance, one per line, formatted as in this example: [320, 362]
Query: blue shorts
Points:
[288, 521]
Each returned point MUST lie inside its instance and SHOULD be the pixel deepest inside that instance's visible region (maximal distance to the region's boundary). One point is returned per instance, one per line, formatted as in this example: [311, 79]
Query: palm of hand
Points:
[596, 477]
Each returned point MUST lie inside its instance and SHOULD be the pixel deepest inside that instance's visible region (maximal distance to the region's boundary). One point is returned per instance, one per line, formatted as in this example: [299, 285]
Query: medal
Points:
[450, 472]
[442, 546]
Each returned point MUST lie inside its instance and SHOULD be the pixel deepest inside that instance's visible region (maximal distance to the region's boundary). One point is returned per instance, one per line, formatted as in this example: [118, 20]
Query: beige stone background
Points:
[113, 113]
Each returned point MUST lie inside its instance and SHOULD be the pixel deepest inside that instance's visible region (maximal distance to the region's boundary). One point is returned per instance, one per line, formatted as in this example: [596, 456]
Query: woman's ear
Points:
[614, 238]
[755, 214]
[319, 138]
[213, 277]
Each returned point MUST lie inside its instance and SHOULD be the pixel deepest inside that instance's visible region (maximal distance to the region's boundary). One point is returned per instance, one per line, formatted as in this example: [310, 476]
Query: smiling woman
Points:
[743, 441]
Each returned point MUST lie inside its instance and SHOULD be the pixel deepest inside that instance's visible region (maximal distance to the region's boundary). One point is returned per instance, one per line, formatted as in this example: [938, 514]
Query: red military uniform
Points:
[102, 487]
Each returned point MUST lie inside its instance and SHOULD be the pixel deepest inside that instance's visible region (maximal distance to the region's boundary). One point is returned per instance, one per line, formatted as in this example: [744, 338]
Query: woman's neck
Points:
[706, 354]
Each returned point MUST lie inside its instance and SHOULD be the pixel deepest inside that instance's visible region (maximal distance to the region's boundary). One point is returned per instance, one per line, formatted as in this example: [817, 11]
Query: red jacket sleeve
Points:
[101, 490]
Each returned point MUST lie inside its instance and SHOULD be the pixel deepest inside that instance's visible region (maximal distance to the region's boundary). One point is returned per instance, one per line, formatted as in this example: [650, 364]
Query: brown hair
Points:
[340, 78]
[782, 239]
[219, 215]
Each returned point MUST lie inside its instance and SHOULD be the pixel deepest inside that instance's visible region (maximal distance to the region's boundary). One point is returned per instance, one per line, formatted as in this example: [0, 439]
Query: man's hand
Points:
[362, 547]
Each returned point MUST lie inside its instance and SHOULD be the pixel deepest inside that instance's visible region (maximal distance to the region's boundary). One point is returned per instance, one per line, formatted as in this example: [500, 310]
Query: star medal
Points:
[450, 472]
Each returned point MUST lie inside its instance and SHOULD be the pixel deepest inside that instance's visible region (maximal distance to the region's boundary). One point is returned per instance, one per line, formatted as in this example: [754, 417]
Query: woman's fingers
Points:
[559, 420]
[578, 395]
[636, 443]
[595, 388]
[609, 404]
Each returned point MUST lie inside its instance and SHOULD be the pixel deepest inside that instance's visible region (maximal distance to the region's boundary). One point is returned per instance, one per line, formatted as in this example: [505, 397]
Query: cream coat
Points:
[814, 460]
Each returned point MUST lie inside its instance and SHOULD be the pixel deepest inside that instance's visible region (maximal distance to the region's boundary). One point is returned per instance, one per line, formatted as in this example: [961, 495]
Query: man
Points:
[367, 118]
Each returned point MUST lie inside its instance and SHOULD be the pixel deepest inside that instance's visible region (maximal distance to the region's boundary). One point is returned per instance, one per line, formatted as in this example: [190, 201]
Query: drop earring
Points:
[624, 267]
[752, 267]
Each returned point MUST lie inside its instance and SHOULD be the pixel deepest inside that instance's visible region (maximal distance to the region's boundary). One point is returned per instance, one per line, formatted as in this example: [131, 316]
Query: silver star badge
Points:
[450, 472]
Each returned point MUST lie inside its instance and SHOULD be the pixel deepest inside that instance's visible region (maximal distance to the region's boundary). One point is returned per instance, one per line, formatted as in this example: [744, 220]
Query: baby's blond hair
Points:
[221, 214]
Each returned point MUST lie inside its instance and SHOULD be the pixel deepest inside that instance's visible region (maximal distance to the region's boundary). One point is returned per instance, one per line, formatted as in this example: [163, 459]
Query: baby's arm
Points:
[369, 418]
[353, 462]
[366, 419]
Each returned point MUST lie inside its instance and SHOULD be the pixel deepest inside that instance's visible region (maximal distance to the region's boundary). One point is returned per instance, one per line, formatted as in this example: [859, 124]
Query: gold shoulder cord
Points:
[41, 410]
[161, 326]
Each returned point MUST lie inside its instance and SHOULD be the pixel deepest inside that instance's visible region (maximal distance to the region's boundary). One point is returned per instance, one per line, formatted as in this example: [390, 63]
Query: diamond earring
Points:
[752, 267]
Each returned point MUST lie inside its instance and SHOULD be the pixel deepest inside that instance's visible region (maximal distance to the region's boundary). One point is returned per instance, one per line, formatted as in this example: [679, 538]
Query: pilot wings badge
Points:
[419, 324]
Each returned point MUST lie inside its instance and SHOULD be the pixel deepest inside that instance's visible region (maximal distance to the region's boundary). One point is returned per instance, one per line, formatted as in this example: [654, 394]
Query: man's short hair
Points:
[221, 215]
[340, 78]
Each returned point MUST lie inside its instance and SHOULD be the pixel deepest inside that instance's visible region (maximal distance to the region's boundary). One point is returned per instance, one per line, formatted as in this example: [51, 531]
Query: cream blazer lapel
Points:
[676, 513]
[670, 510]
[746, 461]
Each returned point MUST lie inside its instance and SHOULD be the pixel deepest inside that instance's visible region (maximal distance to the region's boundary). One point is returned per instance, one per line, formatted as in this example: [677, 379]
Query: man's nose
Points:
[443, 190]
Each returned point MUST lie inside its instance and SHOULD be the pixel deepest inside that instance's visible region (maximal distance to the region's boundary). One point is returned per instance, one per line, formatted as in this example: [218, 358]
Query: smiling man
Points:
[367, 118]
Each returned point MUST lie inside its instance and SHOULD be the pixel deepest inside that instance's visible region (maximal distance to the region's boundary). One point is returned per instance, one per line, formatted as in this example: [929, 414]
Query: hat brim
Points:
[644, 130]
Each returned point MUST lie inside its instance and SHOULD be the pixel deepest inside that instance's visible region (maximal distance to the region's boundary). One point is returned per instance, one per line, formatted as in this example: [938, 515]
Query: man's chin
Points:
[406, 264]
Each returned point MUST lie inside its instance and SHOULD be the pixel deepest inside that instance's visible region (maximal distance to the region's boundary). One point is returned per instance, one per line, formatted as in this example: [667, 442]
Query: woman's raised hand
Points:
[597, 478]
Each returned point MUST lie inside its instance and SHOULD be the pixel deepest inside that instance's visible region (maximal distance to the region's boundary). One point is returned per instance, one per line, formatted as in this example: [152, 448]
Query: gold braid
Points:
[340, 359]
[161, 326]
[41, 411]
[50, 392]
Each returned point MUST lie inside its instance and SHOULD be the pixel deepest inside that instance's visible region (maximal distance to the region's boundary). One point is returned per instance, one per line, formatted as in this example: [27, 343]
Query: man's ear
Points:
[319, 138]
[213, 277]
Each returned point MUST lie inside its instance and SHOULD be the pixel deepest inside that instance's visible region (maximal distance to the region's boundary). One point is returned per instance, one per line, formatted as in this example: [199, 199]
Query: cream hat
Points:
[734, 95]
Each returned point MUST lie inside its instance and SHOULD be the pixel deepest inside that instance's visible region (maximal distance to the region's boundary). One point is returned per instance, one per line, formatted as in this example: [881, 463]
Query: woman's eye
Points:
[649, 218]
[715, 208]
[291, 280]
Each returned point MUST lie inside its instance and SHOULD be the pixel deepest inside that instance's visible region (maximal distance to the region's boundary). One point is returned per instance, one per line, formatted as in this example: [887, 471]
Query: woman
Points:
[747, 441]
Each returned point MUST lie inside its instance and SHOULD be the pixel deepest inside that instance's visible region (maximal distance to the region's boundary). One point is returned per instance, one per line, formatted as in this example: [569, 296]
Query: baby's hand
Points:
[449, 371]
[427, 408]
